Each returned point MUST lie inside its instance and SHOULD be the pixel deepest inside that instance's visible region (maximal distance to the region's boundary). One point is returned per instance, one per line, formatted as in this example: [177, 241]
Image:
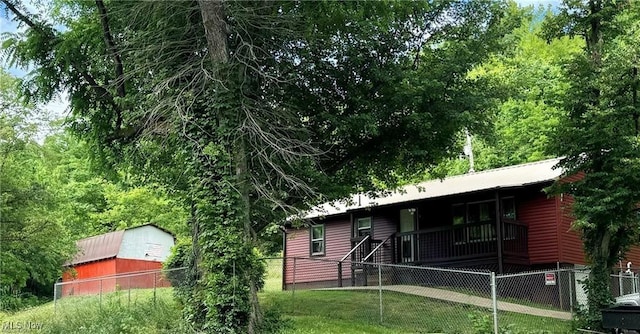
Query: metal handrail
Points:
[354, 248]
[377, 247]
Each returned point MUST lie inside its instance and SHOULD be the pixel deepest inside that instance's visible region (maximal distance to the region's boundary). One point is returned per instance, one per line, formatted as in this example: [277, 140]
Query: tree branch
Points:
[101, 91]
[21, 16]
[111, 46]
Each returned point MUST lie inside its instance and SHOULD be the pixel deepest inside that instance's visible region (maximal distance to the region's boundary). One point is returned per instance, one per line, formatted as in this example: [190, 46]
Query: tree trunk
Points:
[213, 18]
[598, 285]
[215, 28]
[240, 156]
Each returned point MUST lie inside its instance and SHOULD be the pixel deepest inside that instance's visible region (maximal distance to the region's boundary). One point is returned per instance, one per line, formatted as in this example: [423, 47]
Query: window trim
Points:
[467, 237]
[323, 240]
[356, 226]
[508, 233]
[515, 208]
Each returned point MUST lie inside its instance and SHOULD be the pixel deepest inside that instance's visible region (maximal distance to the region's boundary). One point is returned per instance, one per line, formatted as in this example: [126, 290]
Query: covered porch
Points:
[464, 245]
[487, 245]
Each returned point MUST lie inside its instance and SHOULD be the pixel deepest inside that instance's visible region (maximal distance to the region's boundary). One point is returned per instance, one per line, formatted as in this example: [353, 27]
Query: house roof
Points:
[103, 246]
[505, 177]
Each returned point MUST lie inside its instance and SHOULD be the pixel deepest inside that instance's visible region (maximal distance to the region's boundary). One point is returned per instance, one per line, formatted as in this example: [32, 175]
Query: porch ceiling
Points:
[505, 177]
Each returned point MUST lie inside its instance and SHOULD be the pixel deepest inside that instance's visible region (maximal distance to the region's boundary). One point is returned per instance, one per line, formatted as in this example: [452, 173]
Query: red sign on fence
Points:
[549, 278]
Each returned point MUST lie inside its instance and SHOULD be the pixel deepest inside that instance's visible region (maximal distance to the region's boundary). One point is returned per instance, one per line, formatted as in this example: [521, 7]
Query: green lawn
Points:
[305, 312]
[358, 312]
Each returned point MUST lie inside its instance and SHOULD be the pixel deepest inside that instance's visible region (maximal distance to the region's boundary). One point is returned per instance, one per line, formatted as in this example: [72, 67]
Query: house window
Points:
[363, 226]
[317, 240]
[481, 217]
[459, 214]
[509, 208]
[509, 215]
[481, 212]
[459, 219]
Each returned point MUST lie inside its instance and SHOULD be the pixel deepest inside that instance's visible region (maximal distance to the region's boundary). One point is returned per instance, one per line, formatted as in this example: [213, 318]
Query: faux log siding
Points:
[541, 216]
[571, 250]
[633, 256]
[337, 244]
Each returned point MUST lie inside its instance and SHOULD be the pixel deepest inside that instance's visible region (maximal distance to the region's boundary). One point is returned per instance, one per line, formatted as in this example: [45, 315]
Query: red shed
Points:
[136, 249]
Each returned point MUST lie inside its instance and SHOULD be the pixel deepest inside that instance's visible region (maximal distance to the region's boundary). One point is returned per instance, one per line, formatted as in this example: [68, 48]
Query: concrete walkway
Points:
[462, 298]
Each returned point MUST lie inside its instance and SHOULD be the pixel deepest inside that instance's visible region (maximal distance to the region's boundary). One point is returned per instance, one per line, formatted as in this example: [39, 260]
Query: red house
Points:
[137, 249]
[499, 219]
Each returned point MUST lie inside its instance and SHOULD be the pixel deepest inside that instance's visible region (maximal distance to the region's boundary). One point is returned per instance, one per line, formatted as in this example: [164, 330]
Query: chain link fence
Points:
[127, 289]
[541, 300]
[439, 300]
[403, 298]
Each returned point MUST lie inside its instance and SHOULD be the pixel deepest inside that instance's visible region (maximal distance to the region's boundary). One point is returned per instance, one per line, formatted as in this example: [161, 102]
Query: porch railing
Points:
[374, 254]
[460, 242]
[363, 245]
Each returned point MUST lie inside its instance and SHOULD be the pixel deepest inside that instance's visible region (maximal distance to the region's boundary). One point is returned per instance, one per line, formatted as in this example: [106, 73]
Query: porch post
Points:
[499, 230]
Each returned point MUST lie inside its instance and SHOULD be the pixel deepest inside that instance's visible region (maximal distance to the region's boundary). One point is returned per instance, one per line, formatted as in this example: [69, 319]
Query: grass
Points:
[273, 275]
[115, 313]
[358, 312]
[305, 312]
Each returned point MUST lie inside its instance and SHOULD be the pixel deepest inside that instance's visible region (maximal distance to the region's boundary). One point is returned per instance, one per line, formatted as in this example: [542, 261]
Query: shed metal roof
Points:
[505, 177]
[99, 247]
[103, 246]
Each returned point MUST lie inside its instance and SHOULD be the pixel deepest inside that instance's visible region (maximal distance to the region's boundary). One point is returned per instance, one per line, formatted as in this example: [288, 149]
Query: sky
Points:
[59, 106]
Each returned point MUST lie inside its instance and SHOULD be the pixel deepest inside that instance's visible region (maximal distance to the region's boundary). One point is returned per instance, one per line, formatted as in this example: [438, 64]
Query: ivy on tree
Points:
[253, 110]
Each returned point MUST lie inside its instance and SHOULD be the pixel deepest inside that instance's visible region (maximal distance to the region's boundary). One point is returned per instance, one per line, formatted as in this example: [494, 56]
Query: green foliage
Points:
[525, 79]
[482, 323]
[50, 196]
[598, 135]
[109, 315]
[388, 98]
[33, 245]
[248, 121]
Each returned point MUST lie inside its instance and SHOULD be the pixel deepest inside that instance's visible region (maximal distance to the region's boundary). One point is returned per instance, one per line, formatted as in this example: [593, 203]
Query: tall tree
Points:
[249, 108]
[33, 245]
[598, 136]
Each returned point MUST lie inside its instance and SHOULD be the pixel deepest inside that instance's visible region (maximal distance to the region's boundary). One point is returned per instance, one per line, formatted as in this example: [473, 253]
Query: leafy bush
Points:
[482, 323]
[10, 302]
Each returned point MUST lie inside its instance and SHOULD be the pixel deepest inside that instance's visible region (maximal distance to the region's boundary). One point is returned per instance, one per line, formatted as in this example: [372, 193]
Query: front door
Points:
[407, 242]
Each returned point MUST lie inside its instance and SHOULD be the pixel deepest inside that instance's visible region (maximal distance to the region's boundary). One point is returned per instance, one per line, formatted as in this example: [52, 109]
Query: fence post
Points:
[494, 298]
[101, 294]
[293, 293]
[55, 297]
[572, 279]
[559, 279]
[129, 292]
[380, 289]
[154, 288]
[620, 289]
[340, 273]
